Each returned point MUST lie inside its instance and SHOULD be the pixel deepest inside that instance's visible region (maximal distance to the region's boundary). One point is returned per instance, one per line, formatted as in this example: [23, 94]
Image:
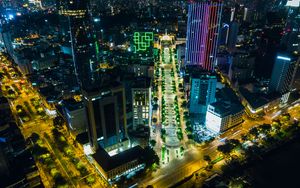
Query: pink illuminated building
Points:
[202, 33]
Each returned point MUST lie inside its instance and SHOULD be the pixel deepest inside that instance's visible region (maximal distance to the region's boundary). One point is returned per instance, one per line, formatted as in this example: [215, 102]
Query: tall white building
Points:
[222, 116]
[141, 102]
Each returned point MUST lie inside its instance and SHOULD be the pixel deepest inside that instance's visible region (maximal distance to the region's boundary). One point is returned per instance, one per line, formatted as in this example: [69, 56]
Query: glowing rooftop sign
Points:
[284, 58]
[293, 3]
[142, 41]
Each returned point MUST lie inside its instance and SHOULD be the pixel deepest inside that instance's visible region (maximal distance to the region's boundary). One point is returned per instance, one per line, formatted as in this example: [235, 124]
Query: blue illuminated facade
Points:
[283, 74]
[203, 91]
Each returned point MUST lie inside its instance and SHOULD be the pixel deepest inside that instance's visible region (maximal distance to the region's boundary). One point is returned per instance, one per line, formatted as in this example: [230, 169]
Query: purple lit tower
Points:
[204, 20]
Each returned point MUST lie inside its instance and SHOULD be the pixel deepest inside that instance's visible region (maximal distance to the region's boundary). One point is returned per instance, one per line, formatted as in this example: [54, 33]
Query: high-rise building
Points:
[106, 114]
[82, 40]
[75, 114]
[233, 35]
[141, 102]
[202, 33]
[6, 41]
[203, 90]
[283, 73]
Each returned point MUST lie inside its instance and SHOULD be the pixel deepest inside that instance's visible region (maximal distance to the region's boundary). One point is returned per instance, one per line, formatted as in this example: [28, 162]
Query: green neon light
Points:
[96, 45]
[142, 41]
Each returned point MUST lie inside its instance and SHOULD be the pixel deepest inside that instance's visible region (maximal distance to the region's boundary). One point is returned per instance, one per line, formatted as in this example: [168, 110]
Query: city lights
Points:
[149, 93]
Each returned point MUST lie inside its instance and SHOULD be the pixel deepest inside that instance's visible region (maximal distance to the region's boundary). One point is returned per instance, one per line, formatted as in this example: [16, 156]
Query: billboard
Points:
[143, 41]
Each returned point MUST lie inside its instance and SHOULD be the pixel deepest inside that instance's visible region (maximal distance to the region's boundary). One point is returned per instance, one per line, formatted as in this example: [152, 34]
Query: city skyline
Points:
[149, 93]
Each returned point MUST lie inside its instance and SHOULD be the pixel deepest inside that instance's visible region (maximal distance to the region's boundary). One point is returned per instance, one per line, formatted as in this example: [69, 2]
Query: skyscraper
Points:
[6, 41]
[141, 102]
[202, 33]
[82, 40]
[203, 90]
[106, 111]
[283, 73]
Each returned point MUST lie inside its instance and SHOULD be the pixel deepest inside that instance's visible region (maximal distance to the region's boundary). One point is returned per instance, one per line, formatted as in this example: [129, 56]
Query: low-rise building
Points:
[258, 103]
[223, 115]
[113, 167]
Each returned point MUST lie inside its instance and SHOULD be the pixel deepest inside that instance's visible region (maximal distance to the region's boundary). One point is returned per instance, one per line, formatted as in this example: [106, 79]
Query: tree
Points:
[190, 136]
[253, 152]
[207, 158]
[184, 103]
[38, 150]
[254, 132]
[237, 183]
[58, 121]
[270, 140]
[90, 180]
[60, 181]
[154, 120]
[34, 137]
[234, 143]
[286, 117]
[225, 149]
[276, 125]
[150, 157]
[152, 143]
[179, 135]
[186, 113]
[186, 117]
[244, 137]
[189, 129]
[232, 168]
[265, 128]
[188, 123]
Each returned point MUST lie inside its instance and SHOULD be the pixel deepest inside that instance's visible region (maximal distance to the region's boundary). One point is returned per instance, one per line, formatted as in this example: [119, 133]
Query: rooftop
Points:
[110, 162]
[141, 82]
[71, 104]
[225, 108]
[257, 100]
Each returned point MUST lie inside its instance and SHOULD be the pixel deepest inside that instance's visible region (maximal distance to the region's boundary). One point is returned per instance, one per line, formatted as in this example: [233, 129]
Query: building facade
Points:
[222, 116]
[75, 114]
[203, 90]
[202, 33]
[82, 40]
[141, 103]
[106, 114]
[283, 74]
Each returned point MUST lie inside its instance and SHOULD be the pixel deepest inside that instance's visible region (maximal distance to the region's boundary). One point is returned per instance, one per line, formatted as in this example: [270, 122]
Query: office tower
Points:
[6, 41]
[242, 67]
[202, 34]
[224, 34]
[233, 35]
[82, 40]
[203, 90]
[75, 115]
[106, 114]
[141, 102]
[283, 73]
